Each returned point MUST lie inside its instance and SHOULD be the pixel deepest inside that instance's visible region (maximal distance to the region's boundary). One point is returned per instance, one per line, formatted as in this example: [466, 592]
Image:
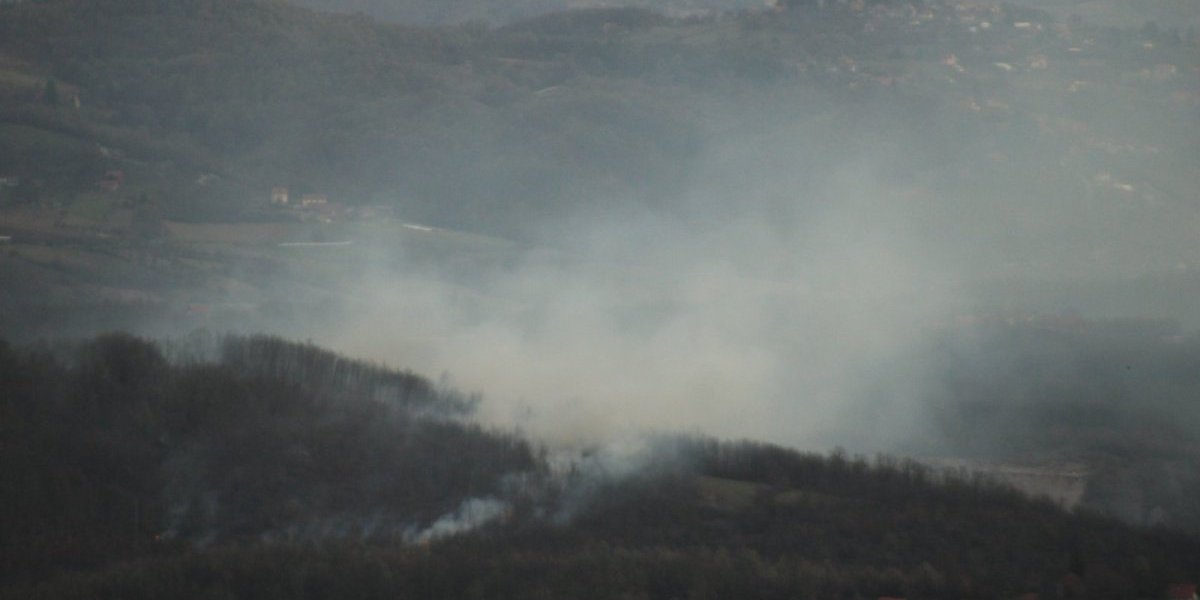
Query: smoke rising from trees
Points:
[739, 326]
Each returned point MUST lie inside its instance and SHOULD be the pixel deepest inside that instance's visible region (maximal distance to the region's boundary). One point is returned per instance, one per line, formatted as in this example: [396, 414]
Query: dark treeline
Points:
[865, 528]
[254, 467]
[322, 371]
[110, 450]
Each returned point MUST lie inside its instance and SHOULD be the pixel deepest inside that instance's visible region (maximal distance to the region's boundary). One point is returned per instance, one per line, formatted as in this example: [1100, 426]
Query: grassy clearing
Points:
[805, 498]
[40, 144]
[231, 233]
[729, 494]
[93, 209]
[19, 81]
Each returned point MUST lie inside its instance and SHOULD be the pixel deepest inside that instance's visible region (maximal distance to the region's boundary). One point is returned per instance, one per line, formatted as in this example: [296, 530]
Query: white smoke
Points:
[744, 328]
[577, 475]
[471, 514]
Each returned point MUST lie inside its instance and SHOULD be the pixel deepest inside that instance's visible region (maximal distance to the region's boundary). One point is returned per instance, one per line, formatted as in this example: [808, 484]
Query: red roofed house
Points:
[313, 200]
[1181, 591]
[279, 196]
[112, 181]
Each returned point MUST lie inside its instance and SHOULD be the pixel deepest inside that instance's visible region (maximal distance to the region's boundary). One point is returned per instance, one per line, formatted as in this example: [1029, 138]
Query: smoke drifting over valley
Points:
[735, 325]
[915, 227]
[704, 299]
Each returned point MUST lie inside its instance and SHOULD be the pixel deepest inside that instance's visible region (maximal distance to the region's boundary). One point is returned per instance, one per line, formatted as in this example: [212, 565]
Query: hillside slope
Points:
[256, 467]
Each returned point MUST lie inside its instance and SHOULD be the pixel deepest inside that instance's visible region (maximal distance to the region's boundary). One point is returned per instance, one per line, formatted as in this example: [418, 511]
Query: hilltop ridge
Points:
[242, 465]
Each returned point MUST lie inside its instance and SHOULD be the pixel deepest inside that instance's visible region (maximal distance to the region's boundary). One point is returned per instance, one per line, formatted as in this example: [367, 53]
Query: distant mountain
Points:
[499, 13]
[447, 123]
[502, 130]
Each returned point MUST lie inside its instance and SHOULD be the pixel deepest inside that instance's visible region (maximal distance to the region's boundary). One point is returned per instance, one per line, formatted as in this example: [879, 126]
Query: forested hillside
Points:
[257, 467]
[112, 450]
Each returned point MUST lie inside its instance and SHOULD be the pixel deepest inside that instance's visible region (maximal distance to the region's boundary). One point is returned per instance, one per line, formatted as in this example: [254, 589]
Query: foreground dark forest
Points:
[257, 468]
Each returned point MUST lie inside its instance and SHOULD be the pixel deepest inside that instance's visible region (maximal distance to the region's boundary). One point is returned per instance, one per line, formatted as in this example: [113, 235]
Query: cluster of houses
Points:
[318, 207]
[990, 39]
[112, 180]
[309, 205]
[1004, 30]
[968, 27]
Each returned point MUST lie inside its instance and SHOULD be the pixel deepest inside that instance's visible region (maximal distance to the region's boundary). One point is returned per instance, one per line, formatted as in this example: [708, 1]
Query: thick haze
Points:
[750, 226]
[783, 297]
[788, 291]
[728, 316]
